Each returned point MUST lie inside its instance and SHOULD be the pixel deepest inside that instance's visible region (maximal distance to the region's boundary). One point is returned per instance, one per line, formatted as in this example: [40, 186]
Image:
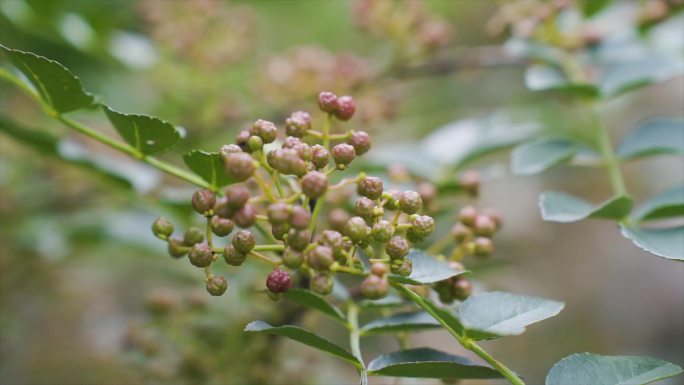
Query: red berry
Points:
[278, 281]
[361, 142]
[327, 101]
[346, 107]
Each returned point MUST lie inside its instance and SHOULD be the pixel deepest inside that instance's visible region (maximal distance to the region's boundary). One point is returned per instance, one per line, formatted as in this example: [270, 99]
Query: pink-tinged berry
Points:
[314, 184]
[237, 196]
[361, 142]
[245, 217]
[244, 241]
[264, 129]
[300, 217]
[239, 166]
[320, 157]
[397, 247]
[201, 255]
[217, 285]
[327, 102]
[346, 107]
[221, 226]
[278, 281]
[343, 154]
[410, 202]
[467, 215]
[203, 201]
[370, 187]
[298, 124]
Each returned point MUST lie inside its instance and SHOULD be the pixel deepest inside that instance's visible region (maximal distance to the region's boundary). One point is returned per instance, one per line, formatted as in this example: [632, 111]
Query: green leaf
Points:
[648, 69]
[208, 165]
[47, 144]
[428, 363]
[313, 300]
[666, 243]
[55, 84]
[304, 336]
[401, 322]
[658, 136]
[531, 158]
[540, 77]
[592, 7]
[587, 368]
[146, 134]
[563, 207]
[426, 270]
[664, 205]
[505, 313]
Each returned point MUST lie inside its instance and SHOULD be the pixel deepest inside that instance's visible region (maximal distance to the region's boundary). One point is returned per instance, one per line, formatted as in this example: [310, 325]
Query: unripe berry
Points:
[410, 202]
[245, 217]
[228, 149]
[427, 191]
[217, 285]
[162, 228]
[346, 107]
[461, 232]
[320, 156]
[364, 208]
[237, 196]
[291, 141]
[314, 184]
[222, 209]
[264, 129]
[484, 247]
[292, 258]
[233, 257]
[467, 215]
[391, 198]
[374, 287]
[320, 257]
[255, 143]
[379, 269]
[334, 240]
[361, 142]
[343, 154]
[244, 241]
[338, 218]
[278, 281]
[203, 201]
[221, 226]
[239, 166]
[298, 124]
[242, 140]
[192, 236]
[176, 248]
[304, 151]
[300, 217]
[401, 267]
[278, 213]
[445, 291]
[484, 226]
[462, 288]
[298, 239]
[327, 102]
[397, 247]
[357, 230]
[322, 283]
[422, 225]
[370, 187]
[279, 231]
[470, 182]
[383, 231]
[288, 162]
[201, 255]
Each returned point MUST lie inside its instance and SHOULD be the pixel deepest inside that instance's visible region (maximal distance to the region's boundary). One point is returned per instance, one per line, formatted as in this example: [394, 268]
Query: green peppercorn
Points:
[162, 228]
[300, 217]
[298, 124]
[462, 288]
[320, 257]
[391, 198]
[397, 247]
[278, 213]
[255, 143]
[364, 208]
[217, 285]
[192, 236]
[292, 258]
[484, 247]
[304, 151]
[322, 283]
[265, 130]
[383, 231]
[239, 166]
[201, 255]
[244, 241]
[370, 187]
[176, 248]
[298, 239]
[374, 287]
[314, 184]
[357, 230]
[401, 267]
[233, 257]
[422, 225]
[279, 231]
[410, 202]
[203, 201]
[221, 226]
[361, 142]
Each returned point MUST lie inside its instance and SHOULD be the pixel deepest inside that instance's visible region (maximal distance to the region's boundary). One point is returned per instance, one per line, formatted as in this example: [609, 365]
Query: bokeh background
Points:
[88, 296]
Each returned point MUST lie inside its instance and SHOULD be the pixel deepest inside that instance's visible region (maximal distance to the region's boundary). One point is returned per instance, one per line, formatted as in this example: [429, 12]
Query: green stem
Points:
[355, 338]
[266, 189]
[276, 180]
[609, 159]
[462, 339]
[326, 131]
[269, 247]
[315, 213]
[272, 261]
[178, 173]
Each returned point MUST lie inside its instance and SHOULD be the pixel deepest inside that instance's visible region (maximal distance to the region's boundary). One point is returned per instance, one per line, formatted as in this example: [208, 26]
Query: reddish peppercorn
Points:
[278, 281]
[346, 107]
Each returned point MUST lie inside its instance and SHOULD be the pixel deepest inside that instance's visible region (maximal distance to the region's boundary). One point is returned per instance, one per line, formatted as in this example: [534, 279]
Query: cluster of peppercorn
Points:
[473, 234]
[292, 182]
